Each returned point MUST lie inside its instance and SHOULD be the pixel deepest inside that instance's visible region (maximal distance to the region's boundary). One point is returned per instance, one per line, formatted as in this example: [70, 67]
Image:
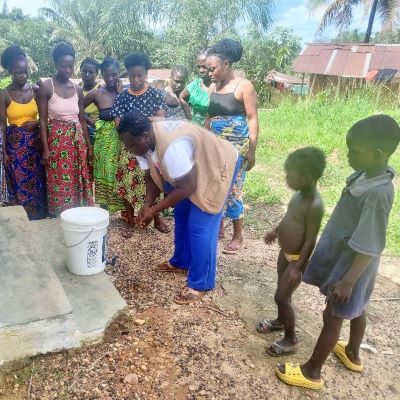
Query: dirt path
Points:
[208, 350]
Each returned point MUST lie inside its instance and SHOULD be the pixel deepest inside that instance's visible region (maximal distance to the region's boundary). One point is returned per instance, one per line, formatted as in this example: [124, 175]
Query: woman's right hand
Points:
[6, 159]
[45, 156]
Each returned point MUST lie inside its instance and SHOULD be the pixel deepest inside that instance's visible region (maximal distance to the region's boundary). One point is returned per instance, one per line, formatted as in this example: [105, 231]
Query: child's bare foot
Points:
[234, 246]
[283, 347]
[269, 325]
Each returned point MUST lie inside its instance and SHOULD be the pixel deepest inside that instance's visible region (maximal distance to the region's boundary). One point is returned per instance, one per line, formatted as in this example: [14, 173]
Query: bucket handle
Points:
[74, 245]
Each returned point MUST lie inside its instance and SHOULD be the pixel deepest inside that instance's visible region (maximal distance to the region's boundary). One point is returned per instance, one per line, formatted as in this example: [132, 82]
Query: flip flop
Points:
[293, 376]
[277, 350]
[186, 297]
[340, 352]
[167, 267]
[266, 326]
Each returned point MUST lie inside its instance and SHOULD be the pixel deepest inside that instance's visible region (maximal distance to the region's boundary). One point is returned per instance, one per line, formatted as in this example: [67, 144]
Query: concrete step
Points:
[30, 291]
[44, 308]
[94, 299]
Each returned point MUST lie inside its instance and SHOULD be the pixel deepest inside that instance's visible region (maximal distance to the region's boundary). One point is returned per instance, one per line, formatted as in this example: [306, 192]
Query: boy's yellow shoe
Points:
[340, 351]
[293, 376]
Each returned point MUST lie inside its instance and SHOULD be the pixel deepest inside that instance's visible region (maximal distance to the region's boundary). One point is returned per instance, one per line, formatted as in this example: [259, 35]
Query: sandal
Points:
[166, 266]
[277, 350]
[340, 352]
[268, 326]
[293, 376]
[188, 297]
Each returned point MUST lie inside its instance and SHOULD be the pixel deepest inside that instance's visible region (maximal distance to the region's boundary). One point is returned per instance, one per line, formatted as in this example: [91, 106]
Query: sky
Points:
[292, 14]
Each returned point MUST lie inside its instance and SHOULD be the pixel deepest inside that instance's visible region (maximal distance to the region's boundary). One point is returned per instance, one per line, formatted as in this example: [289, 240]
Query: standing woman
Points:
[177, 82]
[232, 115]
[148, 102]
[107, 145]
[66, 146]
[22, 151]
[89, 70]
[195, 97]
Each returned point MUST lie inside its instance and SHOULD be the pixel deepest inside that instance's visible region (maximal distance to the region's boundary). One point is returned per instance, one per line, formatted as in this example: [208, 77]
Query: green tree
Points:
[192, 24]
[265, 52]
[101, 27]
[36, 44]
[340, 12]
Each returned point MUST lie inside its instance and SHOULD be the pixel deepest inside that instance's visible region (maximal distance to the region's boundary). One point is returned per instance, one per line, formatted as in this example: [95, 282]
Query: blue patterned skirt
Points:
[25, 173]
[236, 130]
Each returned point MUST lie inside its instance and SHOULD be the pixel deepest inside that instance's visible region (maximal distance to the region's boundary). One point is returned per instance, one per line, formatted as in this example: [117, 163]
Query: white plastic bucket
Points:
[85, 237]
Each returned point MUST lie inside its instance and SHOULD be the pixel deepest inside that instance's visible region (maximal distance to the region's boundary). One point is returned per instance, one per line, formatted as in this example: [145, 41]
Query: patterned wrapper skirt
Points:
[3, 184]
[25, 172]
[68, 175]
[129, 183]
[106, 150]
[234, 129]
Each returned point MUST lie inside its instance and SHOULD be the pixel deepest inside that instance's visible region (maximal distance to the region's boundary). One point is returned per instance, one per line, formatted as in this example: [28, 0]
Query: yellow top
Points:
[91, 109]
[19, 113]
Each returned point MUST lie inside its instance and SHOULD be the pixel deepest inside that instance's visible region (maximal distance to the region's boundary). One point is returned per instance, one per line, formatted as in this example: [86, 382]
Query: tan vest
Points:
[214, 161]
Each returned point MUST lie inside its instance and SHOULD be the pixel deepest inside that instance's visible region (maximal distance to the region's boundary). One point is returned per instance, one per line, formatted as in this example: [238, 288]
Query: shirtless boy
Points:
[297, 235]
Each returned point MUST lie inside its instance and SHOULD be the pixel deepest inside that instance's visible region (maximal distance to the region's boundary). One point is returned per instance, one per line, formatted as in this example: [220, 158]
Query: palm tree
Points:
[340, 12]
[99, 27]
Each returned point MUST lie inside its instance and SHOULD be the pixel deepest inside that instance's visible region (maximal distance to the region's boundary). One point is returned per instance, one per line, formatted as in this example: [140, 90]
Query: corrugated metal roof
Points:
[347, 60]
[279, 76]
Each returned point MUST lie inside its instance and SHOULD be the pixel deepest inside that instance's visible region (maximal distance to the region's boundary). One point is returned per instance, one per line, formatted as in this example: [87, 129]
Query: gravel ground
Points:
[209, 350]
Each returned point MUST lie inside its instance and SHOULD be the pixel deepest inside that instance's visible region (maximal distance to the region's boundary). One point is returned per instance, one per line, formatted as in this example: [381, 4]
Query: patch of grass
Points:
[322, 122]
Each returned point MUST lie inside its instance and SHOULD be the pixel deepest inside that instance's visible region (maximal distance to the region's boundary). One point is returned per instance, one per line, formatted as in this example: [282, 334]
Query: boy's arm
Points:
[368, 241]
[313, 224]
[271, 235]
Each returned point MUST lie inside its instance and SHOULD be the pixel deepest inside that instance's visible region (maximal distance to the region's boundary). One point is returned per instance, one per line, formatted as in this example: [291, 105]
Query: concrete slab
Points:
[29, 288]
[94, 299]
[44, 308]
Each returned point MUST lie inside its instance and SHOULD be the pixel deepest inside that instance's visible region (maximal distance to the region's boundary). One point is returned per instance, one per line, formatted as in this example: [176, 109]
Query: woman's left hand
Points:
[250, 160]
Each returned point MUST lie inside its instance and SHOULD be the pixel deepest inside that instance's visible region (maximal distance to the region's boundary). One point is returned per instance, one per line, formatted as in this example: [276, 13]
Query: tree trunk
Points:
[371, 21]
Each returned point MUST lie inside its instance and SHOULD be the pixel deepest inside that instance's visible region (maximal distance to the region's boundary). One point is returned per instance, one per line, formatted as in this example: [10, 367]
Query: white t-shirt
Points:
[178, 158]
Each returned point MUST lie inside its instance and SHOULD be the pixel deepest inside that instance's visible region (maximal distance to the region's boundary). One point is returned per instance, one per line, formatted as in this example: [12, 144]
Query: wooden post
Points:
[302, 85]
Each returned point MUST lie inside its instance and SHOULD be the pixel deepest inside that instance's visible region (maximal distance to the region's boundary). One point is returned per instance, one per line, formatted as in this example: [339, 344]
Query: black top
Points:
[225, 105]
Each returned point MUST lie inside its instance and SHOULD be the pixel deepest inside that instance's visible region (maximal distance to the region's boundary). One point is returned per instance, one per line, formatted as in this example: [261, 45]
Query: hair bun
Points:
[228, 49]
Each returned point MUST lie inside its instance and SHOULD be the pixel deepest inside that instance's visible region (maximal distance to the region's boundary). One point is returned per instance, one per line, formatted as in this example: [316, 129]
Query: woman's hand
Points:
[250, 159]
[30, 125]
[145, 216]
[90, 154]
[6, 159]
[45, 156]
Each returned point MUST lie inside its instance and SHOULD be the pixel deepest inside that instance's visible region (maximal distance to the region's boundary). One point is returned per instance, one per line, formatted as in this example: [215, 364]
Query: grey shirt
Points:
[357, 225]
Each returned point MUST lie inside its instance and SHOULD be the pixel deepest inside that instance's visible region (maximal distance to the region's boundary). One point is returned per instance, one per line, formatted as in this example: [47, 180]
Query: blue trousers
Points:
[196, 242]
